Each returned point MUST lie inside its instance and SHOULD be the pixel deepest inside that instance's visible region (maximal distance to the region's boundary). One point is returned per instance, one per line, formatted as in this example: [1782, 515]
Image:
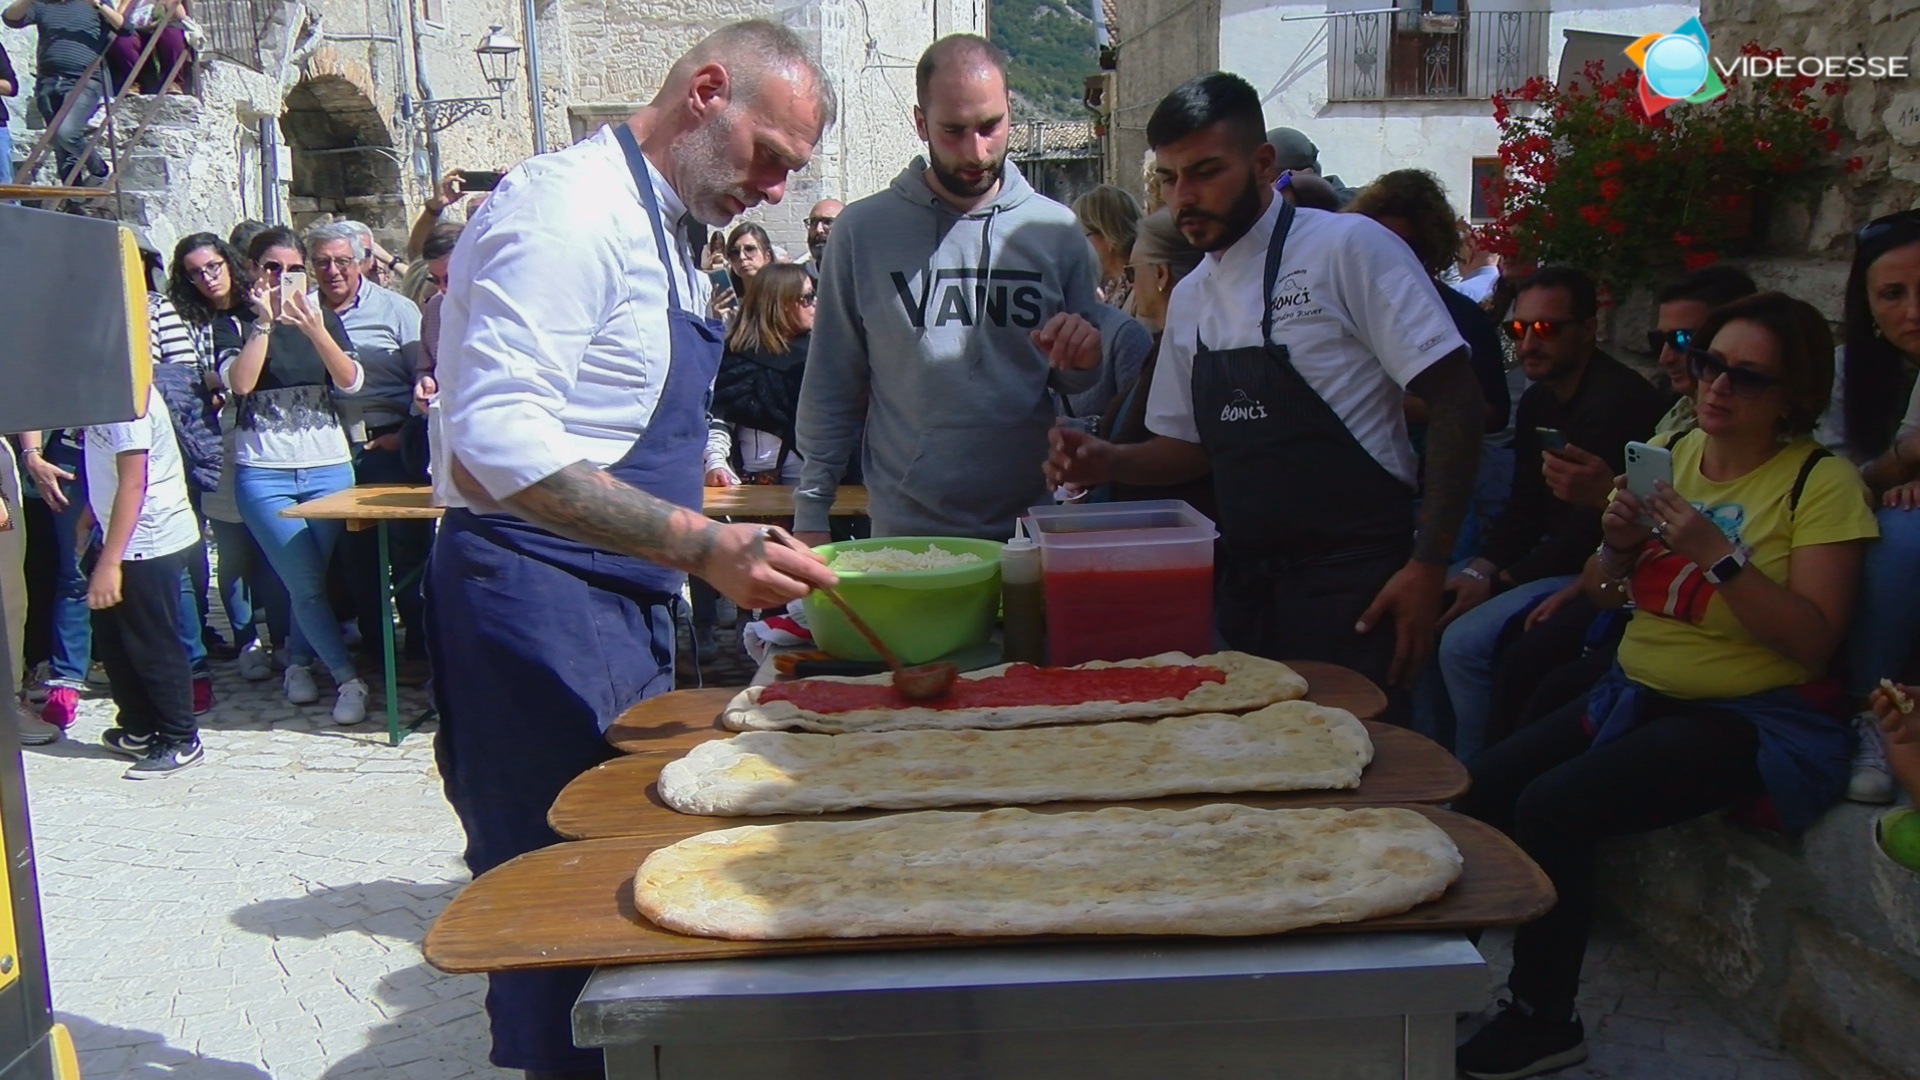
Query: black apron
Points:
[1311, 524]
[538, 642]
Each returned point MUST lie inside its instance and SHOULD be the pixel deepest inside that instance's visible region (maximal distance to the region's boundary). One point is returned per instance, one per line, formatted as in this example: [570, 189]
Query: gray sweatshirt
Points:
[921, 342]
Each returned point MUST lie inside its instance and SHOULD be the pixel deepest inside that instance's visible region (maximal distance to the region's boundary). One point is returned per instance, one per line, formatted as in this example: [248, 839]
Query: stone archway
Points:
[345, 161]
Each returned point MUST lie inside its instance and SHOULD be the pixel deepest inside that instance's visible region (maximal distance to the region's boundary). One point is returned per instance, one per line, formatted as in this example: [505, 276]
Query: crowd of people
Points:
[1414, 455]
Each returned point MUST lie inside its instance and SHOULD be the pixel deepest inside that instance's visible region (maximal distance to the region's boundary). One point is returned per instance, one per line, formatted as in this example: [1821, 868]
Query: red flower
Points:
[1608, 91]
[1610, 188]
[1751, 48]
[1593, 215]
[1831, 140]
[1694, 260]
[1834, 88]
[1820, 123]
[1717, 145]
[1615, 227]
[1853, 165]
[1500, 112]
[1681, 239]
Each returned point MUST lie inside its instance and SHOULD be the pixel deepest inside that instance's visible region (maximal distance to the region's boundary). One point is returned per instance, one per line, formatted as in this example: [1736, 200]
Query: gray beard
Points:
[701, 155]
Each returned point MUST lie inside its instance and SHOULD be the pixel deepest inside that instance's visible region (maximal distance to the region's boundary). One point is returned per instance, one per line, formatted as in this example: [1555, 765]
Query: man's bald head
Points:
[957, 52]
[752, 52]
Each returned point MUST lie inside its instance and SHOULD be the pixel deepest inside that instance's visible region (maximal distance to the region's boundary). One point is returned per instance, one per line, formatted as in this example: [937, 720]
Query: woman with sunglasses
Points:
[757, 392]
[1874, 421]
[1742, 575]
[289, 448]
[209, 283]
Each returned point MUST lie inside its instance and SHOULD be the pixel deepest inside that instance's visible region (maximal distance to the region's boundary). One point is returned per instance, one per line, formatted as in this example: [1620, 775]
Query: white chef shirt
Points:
[554, 338]
[166, 523]
[1359, 316]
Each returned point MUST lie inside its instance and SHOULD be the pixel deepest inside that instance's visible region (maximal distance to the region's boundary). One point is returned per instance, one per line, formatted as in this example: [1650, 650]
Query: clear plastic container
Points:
[1125, 580]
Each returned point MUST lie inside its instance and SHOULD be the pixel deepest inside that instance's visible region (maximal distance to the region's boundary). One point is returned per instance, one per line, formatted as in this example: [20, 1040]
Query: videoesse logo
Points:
[1675, 67]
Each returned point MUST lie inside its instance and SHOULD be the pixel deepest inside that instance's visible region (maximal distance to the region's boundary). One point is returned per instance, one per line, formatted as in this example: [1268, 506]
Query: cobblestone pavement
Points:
[261, 915]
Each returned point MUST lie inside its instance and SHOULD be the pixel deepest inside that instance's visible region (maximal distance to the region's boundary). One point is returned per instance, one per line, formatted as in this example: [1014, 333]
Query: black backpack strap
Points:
[1800, 481]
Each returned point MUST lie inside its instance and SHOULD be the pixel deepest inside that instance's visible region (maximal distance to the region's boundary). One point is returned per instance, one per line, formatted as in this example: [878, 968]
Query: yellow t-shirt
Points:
[1683, 641]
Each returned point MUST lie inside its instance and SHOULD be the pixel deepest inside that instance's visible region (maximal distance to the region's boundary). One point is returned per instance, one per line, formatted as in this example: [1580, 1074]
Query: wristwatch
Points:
[1728, 567]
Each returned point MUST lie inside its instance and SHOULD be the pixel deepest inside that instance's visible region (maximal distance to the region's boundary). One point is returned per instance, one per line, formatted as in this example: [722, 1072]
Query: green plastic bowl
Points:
[921, 614]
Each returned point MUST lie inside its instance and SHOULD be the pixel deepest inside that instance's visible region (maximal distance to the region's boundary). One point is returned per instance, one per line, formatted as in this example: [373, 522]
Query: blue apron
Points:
[539, 642]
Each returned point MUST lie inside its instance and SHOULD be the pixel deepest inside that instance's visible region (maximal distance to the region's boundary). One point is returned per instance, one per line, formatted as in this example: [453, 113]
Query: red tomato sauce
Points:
[1022, 684]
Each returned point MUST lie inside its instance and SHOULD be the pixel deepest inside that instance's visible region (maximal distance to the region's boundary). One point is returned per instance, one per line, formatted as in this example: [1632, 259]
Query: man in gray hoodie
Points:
[948, 307]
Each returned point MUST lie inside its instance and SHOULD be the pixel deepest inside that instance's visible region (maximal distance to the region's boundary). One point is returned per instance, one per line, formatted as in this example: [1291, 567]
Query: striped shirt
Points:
[72, 33]
[172, 339]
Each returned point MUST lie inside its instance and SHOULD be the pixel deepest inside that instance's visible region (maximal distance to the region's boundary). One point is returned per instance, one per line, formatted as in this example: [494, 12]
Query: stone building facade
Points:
[316, 111]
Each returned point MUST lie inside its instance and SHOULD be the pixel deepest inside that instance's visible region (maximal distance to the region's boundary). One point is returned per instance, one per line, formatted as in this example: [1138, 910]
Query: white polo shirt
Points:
[554, 339]
[1359, 316]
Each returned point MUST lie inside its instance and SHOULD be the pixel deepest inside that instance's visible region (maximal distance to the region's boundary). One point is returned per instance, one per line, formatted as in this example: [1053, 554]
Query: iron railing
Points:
[1409, 53]
[233, 29]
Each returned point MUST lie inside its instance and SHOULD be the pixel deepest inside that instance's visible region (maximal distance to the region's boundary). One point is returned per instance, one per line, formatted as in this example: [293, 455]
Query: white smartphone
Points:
[1647, 464]
[293, 283]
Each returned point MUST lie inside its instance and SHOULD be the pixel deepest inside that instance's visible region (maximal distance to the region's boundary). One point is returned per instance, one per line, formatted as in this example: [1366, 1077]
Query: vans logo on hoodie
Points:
[971, 297]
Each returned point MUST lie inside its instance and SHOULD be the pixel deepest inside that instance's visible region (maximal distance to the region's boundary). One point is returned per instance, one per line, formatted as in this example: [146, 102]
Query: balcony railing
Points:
[1412, 54]
[233, 29]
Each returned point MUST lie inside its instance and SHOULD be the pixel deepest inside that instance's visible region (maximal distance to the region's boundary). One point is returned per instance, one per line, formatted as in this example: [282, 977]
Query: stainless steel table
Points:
[1347, 1007]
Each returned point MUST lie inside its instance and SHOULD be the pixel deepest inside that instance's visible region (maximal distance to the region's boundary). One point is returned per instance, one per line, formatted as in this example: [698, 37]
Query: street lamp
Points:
[495, 54]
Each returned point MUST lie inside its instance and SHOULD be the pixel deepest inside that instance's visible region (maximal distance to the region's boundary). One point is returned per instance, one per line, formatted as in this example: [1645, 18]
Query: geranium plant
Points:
[1590, 180]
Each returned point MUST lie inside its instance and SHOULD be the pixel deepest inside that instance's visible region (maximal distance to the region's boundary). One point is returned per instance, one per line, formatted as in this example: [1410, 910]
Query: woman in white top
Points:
[290, 449]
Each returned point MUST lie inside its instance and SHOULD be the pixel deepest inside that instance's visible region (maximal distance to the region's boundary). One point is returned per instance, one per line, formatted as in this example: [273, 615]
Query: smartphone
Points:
[1551, 438]
[479, 179]
[293, 283]
[720, 279]
[1646, 465]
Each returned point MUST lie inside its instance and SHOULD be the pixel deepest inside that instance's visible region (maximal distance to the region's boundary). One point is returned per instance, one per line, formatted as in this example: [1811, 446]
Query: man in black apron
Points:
[575, 364]
[1283, 368]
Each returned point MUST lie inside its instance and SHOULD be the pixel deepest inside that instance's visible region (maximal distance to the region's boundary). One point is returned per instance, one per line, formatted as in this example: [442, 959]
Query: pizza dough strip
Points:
[1898, 696]
[1292, 746]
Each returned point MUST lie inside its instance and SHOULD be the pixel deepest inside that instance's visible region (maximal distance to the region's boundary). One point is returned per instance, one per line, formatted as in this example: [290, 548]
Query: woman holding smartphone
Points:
[1742, 573]
[289, 449]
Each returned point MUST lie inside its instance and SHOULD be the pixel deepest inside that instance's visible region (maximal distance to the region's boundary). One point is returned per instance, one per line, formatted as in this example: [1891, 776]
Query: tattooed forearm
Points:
[587, 504]
[1456, 414]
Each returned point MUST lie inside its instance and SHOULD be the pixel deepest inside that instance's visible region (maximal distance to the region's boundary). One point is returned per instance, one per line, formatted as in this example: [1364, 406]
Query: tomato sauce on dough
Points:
[1021, 684]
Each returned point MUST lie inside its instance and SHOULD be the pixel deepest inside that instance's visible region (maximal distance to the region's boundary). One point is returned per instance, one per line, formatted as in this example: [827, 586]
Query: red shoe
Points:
[202, 695]
[62, 707]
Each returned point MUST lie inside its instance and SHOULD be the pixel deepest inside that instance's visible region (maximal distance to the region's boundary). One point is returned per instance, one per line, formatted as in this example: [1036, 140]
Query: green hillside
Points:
[1051, 43]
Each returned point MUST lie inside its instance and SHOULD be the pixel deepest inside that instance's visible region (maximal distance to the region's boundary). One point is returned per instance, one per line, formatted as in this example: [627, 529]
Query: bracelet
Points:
[35, 450]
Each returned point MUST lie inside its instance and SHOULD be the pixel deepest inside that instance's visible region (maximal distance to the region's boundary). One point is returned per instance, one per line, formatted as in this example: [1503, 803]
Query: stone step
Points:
[145, 172]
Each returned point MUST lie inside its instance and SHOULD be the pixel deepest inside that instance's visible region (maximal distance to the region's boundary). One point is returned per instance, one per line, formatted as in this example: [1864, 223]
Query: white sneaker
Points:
[1872, 781]
[351, 706]
[299, 685]
[254, 665]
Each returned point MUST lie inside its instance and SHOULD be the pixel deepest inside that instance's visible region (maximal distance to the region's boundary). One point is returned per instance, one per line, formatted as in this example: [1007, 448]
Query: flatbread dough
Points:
[1292, 746]
[1252, 683]
[1219, 870]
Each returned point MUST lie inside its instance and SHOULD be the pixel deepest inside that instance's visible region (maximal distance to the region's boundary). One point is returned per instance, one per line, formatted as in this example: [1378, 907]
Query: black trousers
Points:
[1542, 669]
[1558, 797]
[138, 640]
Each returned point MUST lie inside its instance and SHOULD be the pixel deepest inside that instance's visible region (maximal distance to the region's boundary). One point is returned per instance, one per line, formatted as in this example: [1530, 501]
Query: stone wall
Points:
[1161, 44]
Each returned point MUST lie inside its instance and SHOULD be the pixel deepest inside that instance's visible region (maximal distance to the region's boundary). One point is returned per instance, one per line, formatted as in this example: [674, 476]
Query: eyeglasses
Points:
[1677, 340]
[807, 299]
[1545, 329]
[272, 267]
[340, 263]
[820, 222]
[1744, 382]
[743, 252]
[1880, 226]
[212, 269]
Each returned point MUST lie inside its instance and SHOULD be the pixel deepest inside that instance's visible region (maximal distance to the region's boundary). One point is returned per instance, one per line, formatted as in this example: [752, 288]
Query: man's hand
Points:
[1070, 342]
[1469, 591]
[1077, 458]
[1902, 496]
[722, 478]
[1548, 608]
[814, 539]
[754, 567]
[449, 192]
[103, 588]
[389, 441]
[425, 386]
[1412, 598]
[1578, 477]
[1902, 727]
[46, 477]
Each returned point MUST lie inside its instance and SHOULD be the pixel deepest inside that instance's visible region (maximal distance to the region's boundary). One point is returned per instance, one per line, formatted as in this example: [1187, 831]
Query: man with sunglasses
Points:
[1540, 543]
[1576, 475]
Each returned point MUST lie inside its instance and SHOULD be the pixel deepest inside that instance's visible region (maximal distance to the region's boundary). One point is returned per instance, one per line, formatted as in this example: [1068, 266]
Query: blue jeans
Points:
[6, 154]
[72, 645]
[71, 136]
[299, 551]
[1468, 649]
[1886, 612]
[248, 586]
[190, 624]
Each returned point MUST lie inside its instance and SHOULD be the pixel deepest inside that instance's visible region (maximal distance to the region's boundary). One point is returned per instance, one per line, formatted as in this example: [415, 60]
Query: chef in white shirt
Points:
[574, 367]
[1282, 369]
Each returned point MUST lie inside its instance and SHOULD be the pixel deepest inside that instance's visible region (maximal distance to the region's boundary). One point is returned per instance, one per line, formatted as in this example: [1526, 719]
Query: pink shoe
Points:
[202, 695]
[62, 707]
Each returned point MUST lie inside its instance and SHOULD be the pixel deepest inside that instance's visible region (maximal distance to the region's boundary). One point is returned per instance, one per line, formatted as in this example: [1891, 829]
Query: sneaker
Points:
[1872, 781]
[299, 685]
[165, 759]
[126, 743]
[217, 647]
[1517, 1043]
[37, 681]
[1897, 834]
[202, 695]
[254, 664]
[97, 675]
[62, 707]
[350, 707]
[33, 730]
